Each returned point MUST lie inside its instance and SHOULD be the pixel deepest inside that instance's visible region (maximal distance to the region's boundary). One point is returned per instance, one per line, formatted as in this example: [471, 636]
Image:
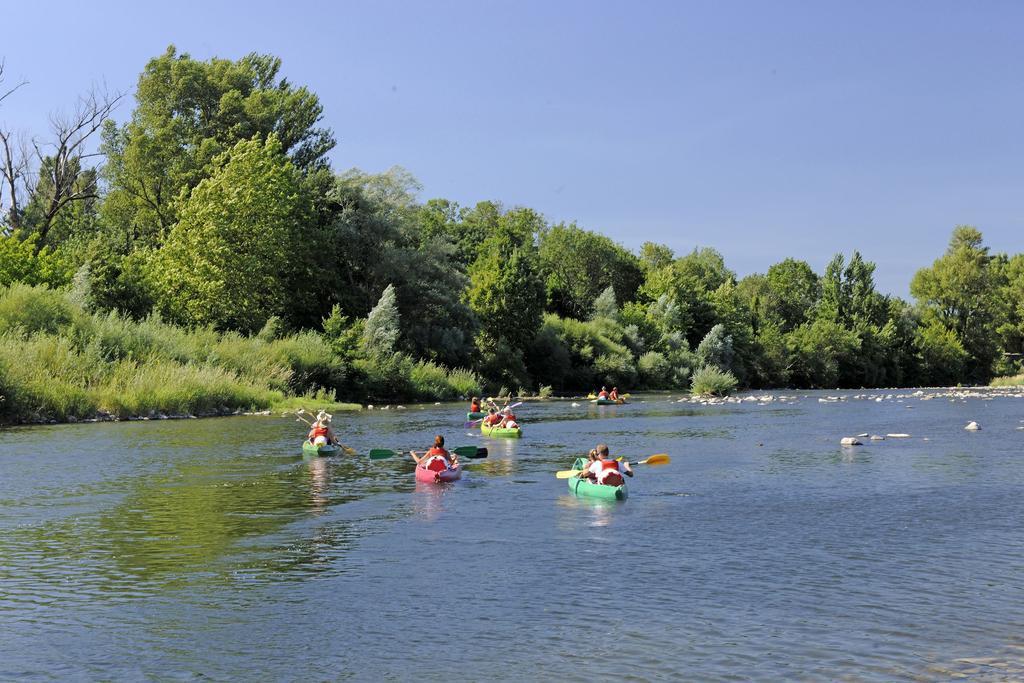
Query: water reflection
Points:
[596, 511]
[319, 471]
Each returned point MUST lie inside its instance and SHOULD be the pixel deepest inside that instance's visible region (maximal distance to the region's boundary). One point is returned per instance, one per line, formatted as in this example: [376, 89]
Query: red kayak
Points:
[432, 477]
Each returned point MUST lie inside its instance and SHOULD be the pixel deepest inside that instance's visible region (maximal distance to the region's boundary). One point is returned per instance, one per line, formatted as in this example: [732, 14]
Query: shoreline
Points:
[757, 396]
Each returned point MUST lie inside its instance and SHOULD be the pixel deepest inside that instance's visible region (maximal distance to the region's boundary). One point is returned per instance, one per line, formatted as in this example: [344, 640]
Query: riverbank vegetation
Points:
[214, 261]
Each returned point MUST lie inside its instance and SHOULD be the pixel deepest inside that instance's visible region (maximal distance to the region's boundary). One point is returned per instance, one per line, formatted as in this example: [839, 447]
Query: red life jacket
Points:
[610, 473]
[318, 431]
[603, 394]
[437, 465]
[474, 407]
[491, 420]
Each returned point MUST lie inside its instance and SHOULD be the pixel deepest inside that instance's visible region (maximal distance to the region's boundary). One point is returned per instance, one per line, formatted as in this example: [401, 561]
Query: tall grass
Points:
[58, 362]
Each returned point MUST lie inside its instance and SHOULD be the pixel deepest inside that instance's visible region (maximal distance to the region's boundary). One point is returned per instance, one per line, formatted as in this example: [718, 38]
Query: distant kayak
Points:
[608, 401]
[327, 449]
[475, 416]
[587, 488]
[513, 432]
[432, 477]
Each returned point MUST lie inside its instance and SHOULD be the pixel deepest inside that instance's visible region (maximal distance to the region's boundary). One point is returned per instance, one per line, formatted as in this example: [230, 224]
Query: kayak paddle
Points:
[658, 459]
[470, 452]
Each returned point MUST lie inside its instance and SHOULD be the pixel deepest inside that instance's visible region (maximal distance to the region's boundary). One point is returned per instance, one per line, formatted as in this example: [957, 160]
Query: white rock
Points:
[863, 435]
[972, 426]
[850, 441]
[877, 437]
[898, 436]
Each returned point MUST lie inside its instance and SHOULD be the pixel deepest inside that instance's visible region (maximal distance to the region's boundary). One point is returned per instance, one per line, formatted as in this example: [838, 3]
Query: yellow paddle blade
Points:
[348, 451]
[659, 459]
[565, 474]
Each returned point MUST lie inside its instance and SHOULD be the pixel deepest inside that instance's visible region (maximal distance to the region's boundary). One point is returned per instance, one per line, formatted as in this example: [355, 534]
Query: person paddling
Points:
[605, 470]
[474, 405]
[437, 459]
[614, 395]
[493, 418]
[320, 433]
[603, 393]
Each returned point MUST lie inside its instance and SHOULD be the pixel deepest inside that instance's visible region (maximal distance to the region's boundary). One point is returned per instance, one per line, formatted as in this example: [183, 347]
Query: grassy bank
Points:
[60, 362]
[1008, 381]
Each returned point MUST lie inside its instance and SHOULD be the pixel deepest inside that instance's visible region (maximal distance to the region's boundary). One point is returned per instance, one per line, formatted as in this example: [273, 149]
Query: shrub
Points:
[654, 369]
[466, 383]
[34, 309]
[616, 368]
[385, 376]
[711, 381]
[430, 381]
[312, 361]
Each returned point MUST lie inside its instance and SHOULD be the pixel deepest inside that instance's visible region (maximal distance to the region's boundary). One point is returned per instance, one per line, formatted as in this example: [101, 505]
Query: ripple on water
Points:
[157, 553]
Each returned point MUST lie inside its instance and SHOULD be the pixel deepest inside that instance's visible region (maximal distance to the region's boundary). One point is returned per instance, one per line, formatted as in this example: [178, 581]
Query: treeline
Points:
[215, 210]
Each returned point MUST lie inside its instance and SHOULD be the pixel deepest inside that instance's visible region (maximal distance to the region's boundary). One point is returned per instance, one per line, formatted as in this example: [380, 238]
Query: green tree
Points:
[577, 265]
[1010, 329]
[188, 113]
[605, 305]
[958, 292]
[375, 235]
[380, 335]
[941, 353]
[689, 282]
[716, 349]
[818, 351]
[654, 256]
[506, 292]
[792, 292]
[227, 261]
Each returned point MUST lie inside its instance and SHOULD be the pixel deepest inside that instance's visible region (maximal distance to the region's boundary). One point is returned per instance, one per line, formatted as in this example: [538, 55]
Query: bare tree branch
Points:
[13, 163]
[4, 95]
[61, 158]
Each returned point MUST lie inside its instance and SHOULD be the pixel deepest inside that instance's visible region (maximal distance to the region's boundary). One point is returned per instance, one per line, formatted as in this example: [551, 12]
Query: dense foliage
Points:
[221, 252]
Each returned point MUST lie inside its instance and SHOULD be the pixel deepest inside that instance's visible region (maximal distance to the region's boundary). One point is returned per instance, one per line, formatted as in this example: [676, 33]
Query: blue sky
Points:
[762, 129]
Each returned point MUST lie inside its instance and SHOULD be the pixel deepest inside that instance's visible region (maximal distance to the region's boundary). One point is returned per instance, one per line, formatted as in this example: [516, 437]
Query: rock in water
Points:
[850, 441]
[877, 437]
[972, 426]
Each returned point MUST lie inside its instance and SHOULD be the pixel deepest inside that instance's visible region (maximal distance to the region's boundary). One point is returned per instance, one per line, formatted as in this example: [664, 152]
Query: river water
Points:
[212, 549]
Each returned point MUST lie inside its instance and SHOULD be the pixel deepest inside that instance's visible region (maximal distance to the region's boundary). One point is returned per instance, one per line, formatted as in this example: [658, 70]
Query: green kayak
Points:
[585, 487]
[608, 401]
[310, 449]
[475, 416]
[513, 433]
